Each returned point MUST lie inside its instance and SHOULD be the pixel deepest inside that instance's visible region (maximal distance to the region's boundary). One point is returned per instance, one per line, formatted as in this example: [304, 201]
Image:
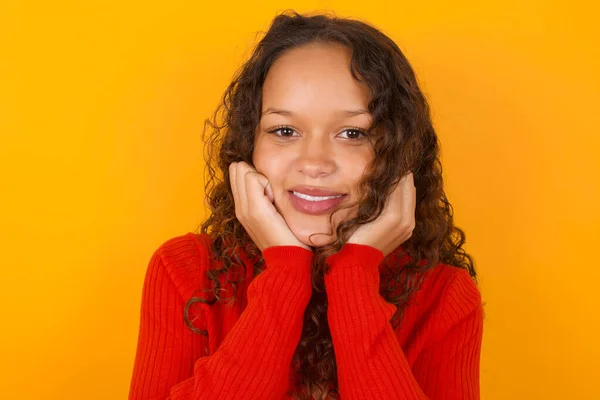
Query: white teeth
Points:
[314, 198]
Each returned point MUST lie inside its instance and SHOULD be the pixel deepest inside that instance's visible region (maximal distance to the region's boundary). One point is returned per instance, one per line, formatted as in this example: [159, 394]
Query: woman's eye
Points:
[284, 131]
[355, 133]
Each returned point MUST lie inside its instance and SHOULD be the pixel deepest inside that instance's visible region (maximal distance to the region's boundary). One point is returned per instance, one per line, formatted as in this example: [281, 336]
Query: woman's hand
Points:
[395, 224]
[254, 208]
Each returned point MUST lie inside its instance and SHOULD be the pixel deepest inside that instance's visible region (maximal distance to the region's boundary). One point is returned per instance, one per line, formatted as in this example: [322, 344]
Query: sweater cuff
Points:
[287, 255]
[354, 254]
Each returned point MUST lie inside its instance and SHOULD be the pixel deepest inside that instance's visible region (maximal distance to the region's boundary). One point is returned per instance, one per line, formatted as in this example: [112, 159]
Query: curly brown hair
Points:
[406, 141]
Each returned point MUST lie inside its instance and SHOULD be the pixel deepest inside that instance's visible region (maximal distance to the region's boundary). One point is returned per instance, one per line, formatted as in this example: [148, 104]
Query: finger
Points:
[233, 183]
[256, 185]
[409, 199]
[242, 168]
[269, 192]
[395, 199]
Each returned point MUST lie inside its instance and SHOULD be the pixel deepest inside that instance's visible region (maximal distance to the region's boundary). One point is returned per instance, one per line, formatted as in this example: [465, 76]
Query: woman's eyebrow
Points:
[349, 113]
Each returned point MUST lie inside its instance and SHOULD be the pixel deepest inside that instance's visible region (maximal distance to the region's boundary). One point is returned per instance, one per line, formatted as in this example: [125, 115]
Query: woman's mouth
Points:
[314, 205]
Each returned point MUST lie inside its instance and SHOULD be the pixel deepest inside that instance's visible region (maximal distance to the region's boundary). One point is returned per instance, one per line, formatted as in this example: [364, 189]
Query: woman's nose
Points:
[315, 158]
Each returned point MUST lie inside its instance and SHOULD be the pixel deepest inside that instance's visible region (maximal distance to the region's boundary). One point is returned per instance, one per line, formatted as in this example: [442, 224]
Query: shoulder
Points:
[184, 259]
[452, 284]
[450, 295]
[184, 247]
[461, 295]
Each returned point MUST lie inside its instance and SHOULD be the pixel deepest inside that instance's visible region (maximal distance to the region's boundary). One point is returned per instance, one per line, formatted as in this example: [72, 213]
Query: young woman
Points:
[329, 266]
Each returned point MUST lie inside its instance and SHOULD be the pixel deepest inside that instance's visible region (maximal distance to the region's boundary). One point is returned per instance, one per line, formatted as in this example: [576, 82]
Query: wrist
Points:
[287, 255]
[355, 254]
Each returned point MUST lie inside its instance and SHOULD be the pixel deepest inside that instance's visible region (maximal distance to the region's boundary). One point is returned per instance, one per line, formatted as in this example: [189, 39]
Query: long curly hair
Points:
[406, 141]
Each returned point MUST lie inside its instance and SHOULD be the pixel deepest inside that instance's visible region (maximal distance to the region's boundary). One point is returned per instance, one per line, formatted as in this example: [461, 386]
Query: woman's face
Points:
[316, 159]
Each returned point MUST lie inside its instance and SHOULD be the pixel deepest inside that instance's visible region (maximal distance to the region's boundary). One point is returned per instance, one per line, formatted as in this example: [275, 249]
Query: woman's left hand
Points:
[397, 220]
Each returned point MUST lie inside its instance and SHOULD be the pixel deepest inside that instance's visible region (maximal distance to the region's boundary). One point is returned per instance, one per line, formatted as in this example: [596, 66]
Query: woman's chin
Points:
[315, 233]
[316, 240]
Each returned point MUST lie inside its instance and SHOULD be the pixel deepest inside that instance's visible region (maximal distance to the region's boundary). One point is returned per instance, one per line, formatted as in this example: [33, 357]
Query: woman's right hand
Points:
[254, 208]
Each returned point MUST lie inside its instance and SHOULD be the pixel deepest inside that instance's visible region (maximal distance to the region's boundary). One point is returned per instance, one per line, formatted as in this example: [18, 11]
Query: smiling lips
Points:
[314, 201]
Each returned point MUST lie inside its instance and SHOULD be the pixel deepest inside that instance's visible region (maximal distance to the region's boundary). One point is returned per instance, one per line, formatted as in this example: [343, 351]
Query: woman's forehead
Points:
[313, 75]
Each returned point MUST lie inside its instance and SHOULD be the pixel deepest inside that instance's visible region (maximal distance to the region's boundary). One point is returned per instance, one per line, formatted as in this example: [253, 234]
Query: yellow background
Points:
[101, 112]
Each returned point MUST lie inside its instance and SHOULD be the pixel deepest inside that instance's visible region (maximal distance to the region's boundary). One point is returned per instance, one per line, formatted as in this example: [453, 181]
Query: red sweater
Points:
[434, 353]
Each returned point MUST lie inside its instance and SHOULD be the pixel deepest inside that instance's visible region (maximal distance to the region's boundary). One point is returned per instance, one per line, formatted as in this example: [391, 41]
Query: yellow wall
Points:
[101, 110]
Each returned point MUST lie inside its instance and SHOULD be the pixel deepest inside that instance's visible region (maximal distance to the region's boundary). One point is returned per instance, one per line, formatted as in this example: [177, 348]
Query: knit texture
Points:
[433, 354]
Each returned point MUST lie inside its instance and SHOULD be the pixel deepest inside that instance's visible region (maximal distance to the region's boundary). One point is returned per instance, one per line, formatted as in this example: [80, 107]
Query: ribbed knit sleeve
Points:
[253, 360]
[370, 361]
